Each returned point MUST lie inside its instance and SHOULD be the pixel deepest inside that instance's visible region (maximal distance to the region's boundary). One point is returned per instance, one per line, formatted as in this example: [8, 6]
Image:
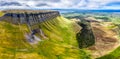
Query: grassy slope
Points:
[60, 43]
[1, 13]
[113, 55]
[115, 20]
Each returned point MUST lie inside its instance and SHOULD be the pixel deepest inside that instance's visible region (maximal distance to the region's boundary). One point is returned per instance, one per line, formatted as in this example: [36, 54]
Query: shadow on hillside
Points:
[85, 37]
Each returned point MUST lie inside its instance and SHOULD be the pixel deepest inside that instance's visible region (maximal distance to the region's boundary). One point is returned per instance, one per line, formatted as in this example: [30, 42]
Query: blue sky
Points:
[67, 4]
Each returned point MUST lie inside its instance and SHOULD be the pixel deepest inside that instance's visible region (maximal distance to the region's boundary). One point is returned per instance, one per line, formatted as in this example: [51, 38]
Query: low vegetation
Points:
[113, 55]
[60, 41]
[1, 13]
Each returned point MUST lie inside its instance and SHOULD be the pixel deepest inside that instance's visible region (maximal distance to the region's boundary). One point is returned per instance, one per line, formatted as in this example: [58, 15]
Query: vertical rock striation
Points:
[31, 18]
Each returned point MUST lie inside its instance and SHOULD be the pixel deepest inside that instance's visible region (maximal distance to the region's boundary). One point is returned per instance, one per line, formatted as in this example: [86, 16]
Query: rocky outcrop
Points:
[29, 17]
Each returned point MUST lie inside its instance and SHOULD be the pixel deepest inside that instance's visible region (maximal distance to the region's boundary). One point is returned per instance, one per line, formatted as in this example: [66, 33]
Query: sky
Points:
[66, 4]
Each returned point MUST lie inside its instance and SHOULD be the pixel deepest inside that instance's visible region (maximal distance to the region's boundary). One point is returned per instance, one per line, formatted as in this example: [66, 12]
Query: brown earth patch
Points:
[106, 40]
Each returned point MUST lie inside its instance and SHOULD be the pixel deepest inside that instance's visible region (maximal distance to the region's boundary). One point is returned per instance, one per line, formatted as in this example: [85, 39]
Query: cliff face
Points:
[29, 17]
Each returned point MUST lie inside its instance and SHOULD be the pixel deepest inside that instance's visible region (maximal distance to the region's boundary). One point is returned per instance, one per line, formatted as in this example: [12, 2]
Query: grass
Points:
[115, 20]
[60, 42]
[12, 35]
[62, 39]
[12, 39]
[1, 13]
[113, 55]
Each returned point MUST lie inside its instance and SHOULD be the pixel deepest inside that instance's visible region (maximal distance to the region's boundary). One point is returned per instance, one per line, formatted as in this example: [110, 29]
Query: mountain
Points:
[85, 11]
[58, 41]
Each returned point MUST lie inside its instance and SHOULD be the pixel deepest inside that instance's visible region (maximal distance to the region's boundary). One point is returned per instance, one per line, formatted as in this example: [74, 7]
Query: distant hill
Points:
[81, 10]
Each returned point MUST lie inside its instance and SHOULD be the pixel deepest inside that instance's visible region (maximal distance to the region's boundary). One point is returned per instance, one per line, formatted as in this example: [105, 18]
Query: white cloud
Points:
[100, 3]
[79, 4]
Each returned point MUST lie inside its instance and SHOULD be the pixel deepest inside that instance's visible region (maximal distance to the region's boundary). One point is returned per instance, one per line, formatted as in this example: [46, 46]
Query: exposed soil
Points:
[106, 40]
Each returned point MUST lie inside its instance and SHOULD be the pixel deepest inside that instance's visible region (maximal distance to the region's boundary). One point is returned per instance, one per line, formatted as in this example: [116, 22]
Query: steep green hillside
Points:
[59, 41]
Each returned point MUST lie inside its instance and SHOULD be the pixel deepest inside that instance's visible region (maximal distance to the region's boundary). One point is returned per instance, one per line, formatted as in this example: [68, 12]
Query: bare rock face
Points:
[28, 16]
